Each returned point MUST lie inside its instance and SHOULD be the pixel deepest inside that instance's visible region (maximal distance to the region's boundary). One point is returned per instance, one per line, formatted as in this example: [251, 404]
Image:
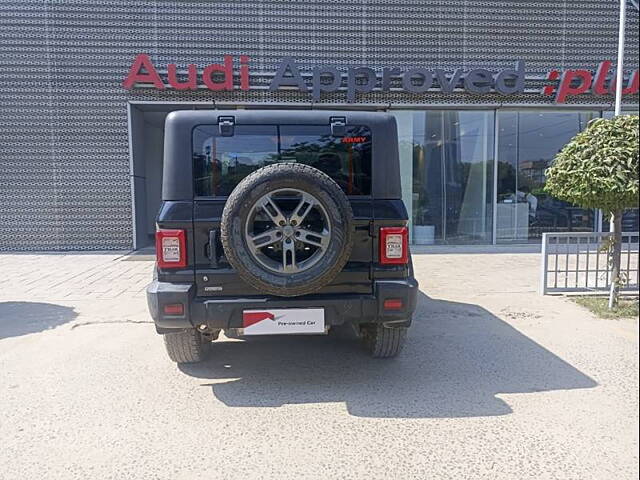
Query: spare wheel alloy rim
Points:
[287, 231]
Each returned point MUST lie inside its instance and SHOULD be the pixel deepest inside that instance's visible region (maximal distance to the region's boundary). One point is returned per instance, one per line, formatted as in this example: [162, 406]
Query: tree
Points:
[598, 168]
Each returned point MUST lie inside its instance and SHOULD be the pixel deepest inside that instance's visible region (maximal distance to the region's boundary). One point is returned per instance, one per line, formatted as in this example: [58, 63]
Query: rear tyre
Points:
[187, 346]
[381, 341]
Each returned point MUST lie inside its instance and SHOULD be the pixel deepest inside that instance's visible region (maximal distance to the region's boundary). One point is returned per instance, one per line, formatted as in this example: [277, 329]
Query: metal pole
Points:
[618, 108]
[620, 64]
[544, 264]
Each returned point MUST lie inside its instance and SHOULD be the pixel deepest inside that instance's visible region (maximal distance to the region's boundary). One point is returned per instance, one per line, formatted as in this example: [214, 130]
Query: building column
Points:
[404, 120]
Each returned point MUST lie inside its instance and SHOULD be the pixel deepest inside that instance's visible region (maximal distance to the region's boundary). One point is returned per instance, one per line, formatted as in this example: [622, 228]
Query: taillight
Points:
[171, 248]
[392, 304]
[176, 309]
[394, 245]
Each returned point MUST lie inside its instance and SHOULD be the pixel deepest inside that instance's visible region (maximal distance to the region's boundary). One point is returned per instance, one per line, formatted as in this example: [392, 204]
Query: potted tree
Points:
[598, 168]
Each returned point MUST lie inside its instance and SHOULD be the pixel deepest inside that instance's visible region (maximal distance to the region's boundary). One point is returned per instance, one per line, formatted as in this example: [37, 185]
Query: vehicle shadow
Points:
[22, 318]
[457, 358]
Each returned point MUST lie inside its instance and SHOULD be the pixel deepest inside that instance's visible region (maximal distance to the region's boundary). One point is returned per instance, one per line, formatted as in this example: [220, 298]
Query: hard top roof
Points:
[178, 165]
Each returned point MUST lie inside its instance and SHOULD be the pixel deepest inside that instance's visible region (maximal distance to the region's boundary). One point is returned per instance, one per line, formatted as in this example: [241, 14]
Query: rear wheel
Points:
[187, 346]
[381, 341]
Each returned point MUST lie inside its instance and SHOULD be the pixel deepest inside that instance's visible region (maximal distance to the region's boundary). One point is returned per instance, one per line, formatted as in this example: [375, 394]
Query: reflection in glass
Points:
[220, 163]
[630, 221]
[347, 160]
[452, 177]
[527, 144]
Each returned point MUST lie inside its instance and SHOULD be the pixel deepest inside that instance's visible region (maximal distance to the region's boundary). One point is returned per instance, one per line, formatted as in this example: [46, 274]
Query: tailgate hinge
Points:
[226, 126]
[372, 229]
[338, 126]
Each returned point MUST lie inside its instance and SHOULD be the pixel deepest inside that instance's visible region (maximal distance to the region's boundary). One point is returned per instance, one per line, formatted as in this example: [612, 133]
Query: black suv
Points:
[281, 222]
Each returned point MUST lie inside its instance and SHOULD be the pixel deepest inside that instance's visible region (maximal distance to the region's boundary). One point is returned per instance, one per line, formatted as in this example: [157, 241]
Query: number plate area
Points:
[283, 321]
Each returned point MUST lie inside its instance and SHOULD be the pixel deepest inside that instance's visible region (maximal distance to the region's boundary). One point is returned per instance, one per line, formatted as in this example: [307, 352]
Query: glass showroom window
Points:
[452, 175]
[527, 145]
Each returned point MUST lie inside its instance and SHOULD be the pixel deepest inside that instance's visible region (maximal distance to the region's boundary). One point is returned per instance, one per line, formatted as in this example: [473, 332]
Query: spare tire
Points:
[287, 229]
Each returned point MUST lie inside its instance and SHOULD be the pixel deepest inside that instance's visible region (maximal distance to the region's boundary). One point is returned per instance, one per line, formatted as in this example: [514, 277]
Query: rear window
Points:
[220, 163]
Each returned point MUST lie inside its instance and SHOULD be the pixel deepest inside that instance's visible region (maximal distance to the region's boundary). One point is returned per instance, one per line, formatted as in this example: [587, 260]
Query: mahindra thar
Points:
[281, 222]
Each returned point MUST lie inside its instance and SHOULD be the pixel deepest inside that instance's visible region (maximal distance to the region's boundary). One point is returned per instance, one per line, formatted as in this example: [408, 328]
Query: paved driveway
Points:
[495, 382]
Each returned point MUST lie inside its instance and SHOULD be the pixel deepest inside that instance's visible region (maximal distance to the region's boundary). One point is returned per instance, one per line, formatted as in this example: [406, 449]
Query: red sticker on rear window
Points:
[354, 139]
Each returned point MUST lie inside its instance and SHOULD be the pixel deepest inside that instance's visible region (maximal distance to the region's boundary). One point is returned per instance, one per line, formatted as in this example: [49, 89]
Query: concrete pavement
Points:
[495, 382]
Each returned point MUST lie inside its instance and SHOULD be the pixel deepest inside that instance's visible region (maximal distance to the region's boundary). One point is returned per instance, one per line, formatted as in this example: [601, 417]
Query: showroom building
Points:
[484, 93]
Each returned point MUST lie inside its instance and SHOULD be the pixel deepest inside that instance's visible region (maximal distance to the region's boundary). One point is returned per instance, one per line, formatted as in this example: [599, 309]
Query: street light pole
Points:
[620, 65]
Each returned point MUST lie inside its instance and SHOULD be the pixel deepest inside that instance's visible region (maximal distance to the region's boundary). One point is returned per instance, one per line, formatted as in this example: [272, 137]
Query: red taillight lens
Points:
[171, 248]
[392, 304]
[173, 309]
[394, 245]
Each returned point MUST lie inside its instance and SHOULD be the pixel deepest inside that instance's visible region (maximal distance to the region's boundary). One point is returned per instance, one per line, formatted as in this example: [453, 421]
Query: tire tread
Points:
[186, 346]
[384, 342]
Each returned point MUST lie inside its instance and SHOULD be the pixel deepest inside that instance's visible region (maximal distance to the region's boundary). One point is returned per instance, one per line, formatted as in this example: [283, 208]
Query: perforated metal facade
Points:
[64, 157]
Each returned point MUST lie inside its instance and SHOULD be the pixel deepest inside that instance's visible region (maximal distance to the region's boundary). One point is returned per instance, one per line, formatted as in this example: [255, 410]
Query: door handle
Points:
[213, 249]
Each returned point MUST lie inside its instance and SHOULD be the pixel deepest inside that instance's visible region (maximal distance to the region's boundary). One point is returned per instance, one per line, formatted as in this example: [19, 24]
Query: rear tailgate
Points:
[216, 278]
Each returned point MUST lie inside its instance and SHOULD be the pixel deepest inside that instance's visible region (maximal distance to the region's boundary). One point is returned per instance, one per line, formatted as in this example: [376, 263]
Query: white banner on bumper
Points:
[283, 321]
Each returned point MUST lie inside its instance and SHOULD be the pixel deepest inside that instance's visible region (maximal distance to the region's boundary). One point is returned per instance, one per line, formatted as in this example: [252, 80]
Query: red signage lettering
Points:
[577, 82]
[215, 77]
[137, 76]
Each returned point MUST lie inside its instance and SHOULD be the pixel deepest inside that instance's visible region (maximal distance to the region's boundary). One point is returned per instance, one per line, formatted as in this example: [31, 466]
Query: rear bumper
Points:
[225, 313]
